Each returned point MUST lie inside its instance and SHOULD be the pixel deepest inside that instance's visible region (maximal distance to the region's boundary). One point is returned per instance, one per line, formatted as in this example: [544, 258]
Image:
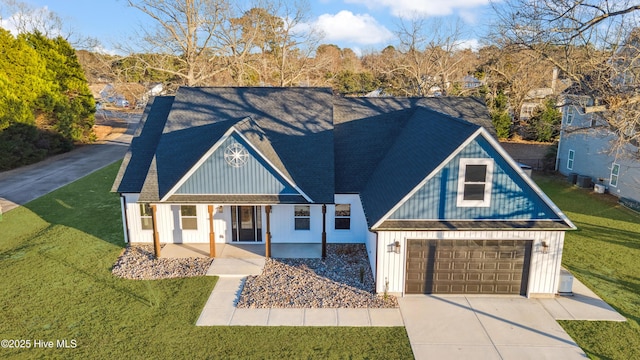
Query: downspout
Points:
[375, 278]
[125, 219]
[324, 231]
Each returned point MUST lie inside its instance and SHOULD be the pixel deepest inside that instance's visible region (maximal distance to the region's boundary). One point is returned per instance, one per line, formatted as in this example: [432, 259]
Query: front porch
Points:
[243, 251]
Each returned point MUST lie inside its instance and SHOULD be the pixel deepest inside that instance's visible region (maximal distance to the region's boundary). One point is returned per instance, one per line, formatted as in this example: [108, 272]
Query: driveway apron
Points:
[459, 327]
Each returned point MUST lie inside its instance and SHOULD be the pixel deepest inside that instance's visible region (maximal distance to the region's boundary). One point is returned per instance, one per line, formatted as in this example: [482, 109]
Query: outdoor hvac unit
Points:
[572, 178]
[584, 181]
[566, 283]
[599, 188]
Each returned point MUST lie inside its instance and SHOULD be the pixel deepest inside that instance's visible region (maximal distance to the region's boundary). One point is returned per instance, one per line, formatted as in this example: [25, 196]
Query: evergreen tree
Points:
[545, 123]
[45, 101]
[499, 110]
[69, 106]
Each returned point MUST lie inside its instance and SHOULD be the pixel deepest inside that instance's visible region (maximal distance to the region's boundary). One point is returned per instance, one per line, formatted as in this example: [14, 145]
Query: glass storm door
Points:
[246, 223]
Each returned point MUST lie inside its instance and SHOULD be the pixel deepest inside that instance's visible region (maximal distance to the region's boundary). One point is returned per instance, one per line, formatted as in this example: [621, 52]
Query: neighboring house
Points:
[588, 148]
[471, 82]
[421, 182]
[534, 100]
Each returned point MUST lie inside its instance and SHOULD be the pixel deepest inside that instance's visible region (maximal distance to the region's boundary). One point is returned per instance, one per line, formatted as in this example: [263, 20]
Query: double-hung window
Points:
[145, 217]
[570, 114]
[475, 182]
[343, 217]
[302, 217]
[615, 172]
[570, 158]
[189, 217]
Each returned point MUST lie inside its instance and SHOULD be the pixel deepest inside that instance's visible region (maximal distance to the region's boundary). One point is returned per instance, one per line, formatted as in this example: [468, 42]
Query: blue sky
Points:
[358, 24]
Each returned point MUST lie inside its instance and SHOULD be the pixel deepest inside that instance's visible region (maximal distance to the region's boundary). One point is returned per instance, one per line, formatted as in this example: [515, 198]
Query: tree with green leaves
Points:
[545, 122]
[45, 102]
[68, 105]
[500, 116]
[22, 80]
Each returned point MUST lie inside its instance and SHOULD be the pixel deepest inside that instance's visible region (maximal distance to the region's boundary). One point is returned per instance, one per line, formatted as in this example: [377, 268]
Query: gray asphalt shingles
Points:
[295, 130]
[137, 160]
[427, 139]
[380, 148]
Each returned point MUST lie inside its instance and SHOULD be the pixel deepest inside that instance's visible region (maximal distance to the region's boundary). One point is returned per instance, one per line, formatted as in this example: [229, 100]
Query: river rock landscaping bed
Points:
[342, 280]
[138, 263]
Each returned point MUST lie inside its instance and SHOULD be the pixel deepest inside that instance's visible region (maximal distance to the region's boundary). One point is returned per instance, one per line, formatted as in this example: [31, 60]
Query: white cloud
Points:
[28, 19]
[412, 8]
[472, 44]
[102, 50]
[346, 26]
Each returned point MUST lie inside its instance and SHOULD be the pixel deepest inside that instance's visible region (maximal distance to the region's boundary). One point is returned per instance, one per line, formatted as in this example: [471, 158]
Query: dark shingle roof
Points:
[426, 140]
[137, 160]
[386, 146]
[293, 127]
[380, 148]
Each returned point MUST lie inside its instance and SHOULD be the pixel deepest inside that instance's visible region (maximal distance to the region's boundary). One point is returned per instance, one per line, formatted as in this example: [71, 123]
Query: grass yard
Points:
[605, 255]
[56, 255]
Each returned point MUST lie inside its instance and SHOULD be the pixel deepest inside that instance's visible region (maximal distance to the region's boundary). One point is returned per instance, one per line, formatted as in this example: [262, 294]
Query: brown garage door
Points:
[467, 266]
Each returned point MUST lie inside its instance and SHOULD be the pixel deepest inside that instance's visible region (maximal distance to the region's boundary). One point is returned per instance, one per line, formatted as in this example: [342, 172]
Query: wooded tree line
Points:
[45, 102]
[214, 43]
[590, 43]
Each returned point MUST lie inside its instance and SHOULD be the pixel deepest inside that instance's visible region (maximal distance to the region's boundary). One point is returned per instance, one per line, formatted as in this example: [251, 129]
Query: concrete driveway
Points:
[19, 186]
[460, 327]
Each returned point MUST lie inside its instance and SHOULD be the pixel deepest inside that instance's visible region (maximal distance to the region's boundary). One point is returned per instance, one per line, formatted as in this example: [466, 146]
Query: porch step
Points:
[236, 267]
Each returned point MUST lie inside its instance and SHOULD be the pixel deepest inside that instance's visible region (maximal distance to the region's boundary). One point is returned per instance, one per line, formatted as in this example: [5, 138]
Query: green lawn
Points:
[605, 255]
[56, 255]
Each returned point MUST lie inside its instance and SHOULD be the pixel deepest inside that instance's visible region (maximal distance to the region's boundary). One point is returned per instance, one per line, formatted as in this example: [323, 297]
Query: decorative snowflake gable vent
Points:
[236, 155]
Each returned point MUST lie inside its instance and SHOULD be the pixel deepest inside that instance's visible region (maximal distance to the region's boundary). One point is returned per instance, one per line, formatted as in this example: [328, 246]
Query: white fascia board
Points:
[496, 145]
[424, 181]
[213, 149]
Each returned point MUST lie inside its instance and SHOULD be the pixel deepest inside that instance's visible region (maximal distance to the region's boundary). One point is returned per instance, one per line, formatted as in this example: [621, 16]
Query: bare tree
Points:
[184, 37]
[594, 43]
[292, 41]
[426, 58]
[24, 18]
[201, 41]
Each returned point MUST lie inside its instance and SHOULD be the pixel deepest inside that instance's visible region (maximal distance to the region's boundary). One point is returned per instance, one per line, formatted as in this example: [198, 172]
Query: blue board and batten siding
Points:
[216, 176]
[511, 197]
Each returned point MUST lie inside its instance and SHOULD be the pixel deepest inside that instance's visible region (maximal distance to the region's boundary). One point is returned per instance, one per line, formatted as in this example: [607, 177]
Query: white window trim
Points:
[143, 217]
[295, 216]
[617, 175]
[570, 115]
[336, 216]
[183, 217]
[486, 202]
[571, 158]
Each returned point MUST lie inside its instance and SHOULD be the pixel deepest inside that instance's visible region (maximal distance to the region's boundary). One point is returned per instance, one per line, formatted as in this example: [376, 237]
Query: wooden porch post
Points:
[212, 234]
[267, 241]
[156, 236]
[324, 231]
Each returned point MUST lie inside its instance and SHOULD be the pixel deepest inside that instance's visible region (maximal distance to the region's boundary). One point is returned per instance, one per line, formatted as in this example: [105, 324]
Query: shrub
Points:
[23, 144]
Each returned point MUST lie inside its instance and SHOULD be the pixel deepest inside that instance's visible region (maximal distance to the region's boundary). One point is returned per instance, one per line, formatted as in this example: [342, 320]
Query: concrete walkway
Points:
[220, 310]
[439, 327]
